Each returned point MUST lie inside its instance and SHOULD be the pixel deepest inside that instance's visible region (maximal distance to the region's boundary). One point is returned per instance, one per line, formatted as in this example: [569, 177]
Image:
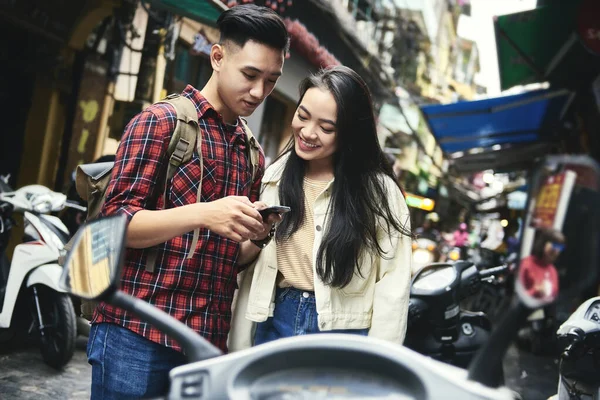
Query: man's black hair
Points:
[251, 22]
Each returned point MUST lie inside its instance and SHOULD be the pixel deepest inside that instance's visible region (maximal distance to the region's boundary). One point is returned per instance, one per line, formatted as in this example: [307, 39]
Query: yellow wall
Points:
[43, 133]
[46, 121]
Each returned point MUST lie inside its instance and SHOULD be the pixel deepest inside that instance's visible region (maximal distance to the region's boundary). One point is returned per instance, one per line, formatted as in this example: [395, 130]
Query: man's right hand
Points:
[234, 217]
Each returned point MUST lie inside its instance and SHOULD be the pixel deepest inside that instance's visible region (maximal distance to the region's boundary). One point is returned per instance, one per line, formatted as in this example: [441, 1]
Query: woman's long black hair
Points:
[359, 195]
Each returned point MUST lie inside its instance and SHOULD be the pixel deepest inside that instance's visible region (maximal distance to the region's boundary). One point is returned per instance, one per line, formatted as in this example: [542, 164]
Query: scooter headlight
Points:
[454, 255]
[422, 257]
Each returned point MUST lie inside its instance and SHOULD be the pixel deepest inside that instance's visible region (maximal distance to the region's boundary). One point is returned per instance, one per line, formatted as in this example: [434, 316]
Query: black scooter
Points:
[437, 326]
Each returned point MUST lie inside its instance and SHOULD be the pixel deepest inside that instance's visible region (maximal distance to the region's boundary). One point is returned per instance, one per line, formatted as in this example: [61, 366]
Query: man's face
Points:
[246, 75]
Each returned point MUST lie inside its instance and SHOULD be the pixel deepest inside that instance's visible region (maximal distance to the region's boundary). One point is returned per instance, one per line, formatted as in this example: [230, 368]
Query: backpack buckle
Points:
[179, 152]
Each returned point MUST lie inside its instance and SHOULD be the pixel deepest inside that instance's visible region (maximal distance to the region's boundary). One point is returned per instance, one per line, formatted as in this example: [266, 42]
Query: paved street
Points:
[534, 377]
[23, 375]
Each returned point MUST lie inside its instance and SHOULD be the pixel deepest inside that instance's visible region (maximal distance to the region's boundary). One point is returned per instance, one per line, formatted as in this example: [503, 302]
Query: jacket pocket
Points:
[359, 283]
[356, 287]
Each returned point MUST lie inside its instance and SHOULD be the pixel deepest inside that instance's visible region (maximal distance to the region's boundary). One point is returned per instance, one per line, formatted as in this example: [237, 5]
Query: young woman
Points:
[341, 258]
[537, 273]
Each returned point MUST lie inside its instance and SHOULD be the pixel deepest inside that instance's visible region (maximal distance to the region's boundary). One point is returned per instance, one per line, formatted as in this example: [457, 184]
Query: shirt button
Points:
[319, 228]
[305, 295]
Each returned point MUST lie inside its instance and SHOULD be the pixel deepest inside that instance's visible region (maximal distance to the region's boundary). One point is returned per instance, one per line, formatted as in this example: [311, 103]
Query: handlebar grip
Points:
[493, 271]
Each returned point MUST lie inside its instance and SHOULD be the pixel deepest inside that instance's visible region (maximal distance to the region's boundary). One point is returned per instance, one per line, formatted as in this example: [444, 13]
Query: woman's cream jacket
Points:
[377, 300]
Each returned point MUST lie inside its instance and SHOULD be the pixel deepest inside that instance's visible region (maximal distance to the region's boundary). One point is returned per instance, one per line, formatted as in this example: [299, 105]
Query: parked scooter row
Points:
[31, 302]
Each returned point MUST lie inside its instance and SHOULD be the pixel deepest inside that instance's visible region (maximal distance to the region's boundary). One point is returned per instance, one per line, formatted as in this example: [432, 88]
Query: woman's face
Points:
[314, 127]
[551, 252]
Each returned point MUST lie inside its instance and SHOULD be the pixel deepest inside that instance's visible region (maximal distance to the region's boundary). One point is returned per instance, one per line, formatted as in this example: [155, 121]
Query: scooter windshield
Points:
[436, 278]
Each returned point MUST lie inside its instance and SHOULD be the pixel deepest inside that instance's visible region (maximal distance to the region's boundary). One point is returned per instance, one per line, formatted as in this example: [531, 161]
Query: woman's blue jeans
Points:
[295, 314]
[126, 365]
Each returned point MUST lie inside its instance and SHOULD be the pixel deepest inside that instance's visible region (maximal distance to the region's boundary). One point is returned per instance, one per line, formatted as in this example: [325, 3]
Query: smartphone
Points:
[265, 212]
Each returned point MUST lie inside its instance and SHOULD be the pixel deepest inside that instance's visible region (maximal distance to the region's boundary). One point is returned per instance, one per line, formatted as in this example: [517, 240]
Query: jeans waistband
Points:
[294, 293]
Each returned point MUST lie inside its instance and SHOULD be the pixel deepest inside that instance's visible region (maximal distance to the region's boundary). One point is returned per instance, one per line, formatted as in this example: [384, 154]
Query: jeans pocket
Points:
[91, 339]
[281, 295]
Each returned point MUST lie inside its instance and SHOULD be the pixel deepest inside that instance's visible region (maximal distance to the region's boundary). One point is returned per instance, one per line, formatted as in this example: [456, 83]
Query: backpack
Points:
[92, 180]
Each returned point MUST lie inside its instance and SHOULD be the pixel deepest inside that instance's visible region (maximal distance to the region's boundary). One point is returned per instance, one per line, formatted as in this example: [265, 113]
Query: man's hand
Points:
[271, 220]
[249, 251]
[234, 217]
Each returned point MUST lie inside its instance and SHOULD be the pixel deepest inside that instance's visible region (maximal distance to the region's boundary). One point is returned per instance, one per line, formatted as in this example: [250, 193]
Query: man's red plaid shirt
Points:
[197, 291]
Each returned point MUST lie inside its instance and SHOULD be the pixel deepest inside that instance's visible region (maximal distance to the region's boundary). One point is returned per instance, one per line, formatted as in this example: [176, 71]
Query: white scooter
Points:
[30, 297]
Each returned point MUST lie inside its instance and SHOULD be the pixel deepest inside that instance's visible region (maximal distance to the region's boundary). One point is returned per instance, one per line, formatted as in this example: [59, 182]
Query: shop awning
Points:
[512, 158]
[517, 119]
[204, 11]
[551, 43]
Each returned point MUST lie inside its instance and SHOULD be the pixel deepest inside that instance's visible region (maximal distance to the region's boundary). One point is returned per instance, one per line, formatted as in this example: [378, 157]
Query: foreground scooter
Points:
[324, 366]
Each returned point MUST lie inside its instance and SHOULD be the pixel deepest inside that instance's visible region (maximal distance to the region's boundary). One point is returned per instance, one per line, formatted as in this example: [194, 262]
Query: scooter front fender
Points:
[48, 275]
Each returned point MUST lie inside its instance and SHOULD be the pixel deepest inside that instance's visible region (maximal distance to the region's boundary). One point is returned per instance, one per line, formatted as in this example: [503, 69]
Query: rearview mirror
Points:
[559, 244]
[92, 267]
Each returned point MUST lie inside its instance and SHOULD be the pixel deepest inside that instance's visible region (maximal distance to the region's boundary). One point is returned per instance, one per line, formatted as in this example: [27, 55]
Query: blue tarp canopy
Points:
[516, 119]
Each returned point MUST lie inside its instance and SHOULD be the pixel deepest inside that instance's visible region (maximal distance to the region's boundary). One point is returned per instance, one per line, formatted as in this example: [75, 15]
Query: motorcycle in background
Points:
[496, 290]
[437, 326]
[31, 300]
[449, 253]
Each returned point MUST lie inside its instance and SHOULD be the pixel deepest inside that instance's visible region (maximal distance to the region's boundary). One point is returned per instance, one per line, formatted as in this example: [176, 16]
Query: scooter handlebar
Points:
[493, 271]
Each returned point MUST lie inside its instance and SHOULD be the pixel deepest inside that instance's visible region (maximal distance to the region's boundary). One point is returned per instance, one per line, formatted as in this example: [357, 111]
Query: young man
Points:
[130, 358]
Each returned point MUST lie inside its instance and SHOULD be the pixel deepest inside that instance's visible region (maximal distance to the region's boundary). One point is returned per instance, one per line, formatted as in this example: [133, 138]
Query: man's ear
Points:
[217, 54]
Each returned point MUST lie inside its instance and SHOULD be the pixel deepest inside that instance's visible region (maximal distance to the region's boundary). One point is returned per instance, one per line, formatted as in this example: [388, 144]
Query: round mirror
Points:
[559, 243]
[92, 266]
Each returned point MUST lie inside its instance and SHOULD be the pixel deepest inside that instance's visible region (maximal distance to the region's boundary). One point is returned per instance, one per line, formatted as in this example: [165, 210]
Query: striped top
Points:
[295, 255]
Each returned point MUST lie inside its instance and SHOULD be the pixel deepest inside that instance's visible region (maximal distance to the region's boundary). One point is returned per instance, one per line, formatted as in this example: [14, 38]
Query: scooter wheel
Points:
[60, 327]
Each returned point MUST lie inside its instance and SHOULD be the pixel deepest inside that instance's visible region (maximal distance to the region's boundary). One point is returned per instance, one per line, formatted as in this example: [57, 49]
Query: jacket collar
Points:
[275, 170]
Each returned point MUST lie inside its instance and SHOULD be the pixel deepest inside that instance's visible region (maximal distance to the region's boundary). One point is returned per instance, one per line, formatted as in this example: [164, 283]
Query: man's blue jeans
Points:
[295, 314]
[126, 365]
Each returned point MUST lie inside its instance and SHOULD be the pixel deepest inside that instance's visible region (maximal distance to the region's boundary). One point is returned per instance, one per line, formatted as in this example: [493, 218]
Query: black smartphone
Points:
[265, 212]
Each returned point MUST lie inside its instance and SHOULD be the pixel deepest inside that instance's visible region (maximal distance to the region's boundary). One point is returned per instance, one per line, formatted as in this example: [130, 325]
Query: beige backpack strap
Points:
[184, 139]
[254, 148]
